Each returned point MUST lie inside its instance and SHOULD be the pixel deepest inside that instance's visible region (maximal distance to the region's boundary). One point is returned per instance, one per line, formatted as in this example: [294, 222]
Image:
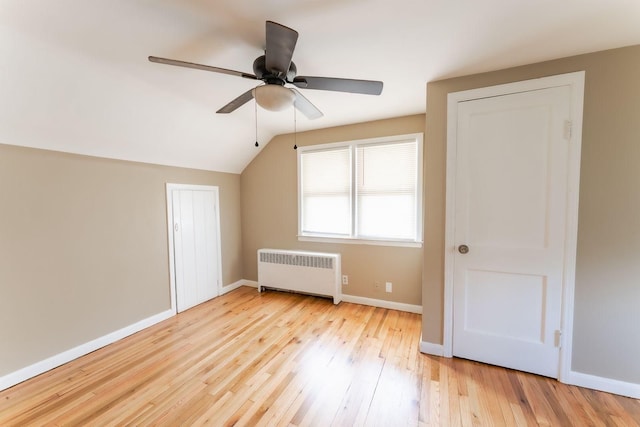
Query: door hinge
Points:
[568, 129]
[558, 338]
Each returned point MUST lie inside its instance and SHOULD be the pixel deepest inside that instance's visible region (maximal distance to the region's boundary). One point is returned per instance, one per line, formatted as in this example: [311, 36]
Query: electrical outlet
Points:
[376, 285]
[345, 279]
[389, 287]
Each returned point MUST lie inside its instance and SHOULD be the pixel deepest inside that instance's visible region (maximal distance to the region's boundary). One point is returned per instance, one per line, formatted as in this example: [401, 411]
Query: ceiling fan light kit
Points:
[276, 70]
[274, 97]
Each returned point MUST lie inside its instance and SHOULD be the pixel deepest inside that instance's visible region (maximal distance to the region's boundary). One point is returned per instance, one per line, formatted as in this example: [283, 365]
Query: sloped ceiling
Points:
[74, 74]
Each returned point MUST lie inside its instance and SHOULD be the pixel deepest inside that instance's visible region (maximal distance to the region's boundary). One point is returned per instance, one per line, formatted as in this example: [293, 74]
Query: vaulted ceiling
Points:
[74, 74]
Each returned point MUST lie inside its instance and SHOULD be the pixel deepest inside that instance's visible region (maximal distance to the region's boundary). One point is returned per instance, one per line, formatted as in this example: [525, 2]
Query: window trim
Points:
[353, 144]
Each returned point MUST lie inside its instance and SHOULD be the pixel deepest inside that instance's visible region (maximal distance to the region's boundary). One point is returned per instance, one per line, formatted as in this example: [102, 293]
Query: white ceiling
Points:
[74, 74]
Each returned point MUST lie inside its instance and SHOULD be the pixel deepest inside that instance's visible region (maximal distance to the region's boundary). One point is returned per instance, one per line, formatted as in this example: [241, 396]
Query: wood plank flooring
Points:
[278, 359]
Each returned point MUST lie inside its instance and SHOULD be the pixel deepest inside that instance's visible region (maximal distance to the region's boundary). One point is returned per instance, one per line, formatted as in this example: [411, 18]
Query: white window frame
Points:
[310, 237]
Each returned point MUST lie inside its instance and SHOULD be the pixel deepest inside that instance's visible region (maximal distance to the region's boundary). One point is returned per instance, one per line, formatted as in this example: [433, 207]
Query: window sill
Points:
[350, 241]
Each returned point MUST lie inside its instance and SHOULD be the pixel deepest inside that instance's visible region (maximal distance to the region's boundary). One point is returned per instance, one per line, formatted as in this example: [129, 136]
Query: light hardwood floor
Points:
[289, 360]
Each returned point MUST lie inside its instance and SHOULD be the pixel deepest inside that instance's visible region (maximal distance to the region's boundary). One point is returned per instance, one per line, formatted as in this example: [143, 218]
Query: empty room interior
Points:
[320, 213]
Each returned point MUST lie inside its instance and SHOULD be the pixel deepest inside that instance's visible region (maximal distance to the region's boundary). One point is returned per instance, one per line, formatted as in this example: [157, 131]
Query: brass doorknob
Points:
[463, 249]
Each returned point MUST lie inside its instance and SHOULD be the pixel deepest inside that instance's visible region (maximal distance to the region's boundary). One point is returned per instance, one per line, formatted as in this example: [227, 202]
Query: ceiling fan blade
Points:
[201, 67]
[305, 106]
[237, 103]
[281, 41]
[367, 87]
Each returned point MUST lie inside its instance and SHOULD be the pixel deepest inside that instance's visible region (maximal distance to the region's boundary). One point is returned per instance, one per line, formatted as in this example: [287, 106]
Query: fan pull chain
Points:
[255, 109]
[295, 129]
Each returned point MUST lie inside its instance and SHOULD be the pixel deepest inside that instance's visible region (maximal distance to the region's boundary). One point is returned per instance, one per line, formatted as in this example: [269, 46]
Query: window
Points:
[367, 190]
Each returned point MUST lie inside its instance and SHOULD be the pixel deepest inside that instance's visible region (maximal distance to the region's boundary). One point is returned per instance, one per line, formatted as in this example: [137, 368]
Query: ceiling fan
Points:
[276, 70]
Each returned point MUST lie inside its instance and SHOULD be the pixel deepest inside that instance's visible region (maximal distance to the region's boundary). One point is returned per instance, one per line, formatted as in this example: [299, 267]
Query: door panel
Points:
[510, 209]
[504, 214]
[184, 249]
[195, 247]
[505, 305]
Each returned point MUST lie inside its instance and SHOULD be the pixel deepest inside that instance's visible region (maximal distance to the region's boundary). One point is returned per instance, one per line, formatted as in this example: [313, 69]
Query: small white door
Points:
[196, 245]
[510, 218]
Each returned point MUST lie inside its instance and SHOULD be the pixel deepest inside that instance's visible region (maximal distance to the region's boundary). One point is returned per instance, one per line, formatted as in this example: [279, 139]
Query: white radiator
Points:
[312, 273]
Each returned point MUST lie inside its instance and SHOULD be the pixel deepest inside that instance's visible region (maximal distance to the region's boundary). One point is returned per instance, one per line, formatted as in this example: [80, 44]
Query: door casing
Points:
[576, 82]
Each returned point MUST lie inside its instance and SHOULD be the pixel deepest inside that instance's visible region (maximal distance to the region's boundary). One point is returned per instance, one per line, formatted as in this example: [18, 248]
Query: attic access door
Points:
[513, 227]
[194, 244]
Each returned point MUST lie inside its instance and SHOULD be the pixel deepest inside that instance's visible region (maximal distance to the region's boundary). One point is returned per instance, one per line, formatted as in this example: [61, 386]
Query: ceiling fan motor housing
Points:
[273, 76]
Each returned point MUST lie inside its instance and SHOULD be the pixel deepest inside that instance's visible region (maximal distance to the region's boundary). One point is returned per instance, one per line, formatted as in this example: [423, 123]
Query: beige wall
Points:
[607, 302]
[270, 215]
[83, 247]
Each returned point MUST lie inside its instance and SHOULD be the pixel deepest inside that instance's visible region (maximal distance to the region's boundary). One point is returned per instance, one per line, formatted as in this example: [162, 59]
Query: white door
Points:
[196, 245]
[510, 218]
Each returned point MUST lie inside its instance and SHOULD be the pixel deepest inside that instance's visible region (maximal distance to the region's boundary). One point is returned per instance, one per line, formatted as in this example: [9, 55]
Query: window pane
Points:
[327, 214]
[387, 167]
[390, 216]
[387, 190]
[326, 171]
[326, 191]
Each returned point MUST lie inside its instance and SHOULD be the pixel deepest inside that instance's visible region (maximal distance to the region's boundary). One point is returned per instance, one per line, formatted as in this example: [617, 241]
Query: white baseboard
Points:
[235, 285]
[251, 283]
[382, 303]
[604, 384]
[431, 348]
[366, 301]
[38, 368]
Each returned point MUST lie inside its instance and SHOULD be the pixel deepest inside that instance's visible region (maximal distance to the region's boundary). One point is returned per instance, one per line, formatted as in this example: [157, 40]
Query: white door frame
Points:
[172, 272]
[576, 82]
